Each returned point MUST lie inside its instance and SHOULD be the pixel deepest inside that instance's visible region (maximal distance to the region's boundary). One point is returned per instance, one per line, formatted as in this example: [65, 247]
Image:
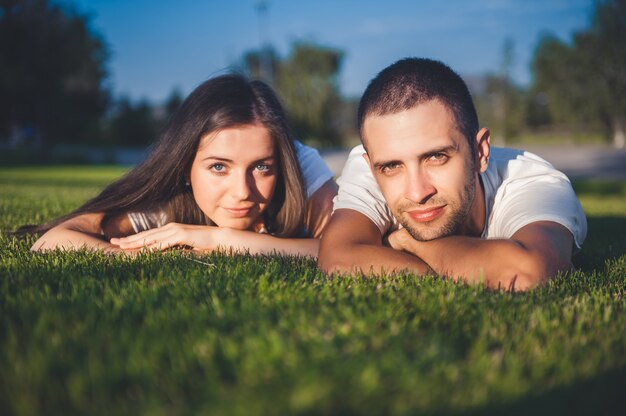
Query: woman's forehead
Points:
[246, 140]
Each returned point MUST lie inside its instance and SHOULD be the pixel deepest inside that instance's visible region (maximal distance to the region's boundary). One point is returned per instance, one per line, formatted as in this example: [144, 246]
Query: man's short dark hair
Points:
[413, 81]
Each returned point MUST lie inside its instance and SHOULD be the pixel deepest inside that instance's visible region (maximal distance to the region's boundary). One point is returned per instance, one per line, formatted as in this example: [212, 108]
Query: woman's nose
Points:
[241, 187]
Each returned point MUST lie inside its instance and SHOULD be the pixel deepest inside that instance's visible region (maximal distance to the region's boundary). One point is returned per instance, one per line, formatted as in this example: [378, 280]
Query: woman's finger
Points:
[144, 239]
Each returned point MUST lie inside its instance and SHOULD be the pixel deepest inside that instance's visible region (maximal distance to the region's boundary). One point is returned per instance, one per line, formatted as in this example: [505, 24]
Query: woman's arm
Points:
[85, 231]
[207, 238]
[210, 238]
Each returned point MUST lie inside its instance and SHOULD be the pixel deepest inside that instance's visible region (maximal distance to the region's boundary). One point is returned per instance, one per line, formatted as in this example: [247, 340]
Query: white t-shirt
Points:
[315, 173]
[520, 188]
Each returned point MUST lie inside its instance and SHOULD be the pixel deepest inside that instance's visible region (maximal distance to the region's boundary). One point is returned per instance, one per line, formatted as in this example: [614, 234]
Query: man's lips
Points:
[426, 215]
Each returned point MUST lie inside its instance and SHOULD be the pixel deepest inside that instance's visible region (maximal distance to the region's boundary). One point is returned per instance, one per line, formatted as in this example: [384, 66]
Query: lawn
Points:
[167, 334]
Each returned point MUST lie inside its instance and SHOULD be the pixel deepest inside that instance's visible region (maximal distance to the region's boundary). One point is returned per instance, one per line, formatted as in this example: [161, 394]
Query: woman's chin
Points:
[236, 223]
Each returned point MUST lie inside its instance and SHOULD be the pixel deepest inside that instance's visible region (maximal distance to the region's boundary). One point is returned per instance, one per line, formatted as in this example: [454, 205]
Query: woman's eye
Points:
[262, 167]
[217, 167]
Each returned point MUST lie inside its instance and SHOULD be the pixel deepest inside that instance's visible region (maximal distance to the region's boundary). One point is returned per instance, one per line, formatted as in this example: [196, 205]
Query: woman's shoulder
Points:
[315, 172]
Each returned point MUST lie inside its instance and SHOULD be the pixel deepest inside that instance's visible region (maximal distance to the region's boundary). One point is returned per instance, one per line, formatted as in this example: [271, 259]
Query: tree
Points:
[307, 83]
[172, 103]
[52, 72]
[262, 64]
[133, 124]
[502, 101]
[585, 81]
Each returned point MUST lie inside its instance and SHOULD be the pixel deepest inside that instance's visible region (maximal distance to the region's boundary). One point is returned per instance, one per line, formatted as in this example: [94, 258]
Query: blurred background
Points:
[94, 81]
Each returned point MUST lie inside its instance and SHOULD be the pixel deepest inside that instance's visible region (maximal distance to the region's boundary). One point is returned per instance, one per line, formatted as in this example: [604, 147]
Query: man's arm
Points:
[353, 243]
[534, 254]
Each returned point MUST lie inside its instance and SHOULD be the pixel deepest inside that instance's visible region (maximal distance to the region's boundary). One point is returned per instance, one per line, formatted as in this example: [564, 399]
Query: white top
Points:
[520, 188]
[315, 173]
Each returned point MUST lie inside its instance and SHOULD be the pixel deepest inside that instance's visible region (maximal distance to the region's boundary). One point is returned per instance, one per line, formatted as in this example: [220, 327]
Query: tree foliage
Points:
[138, 124]
[132, 124]
[307, 83]
[52, 72]
[499, 101]
[584, 81]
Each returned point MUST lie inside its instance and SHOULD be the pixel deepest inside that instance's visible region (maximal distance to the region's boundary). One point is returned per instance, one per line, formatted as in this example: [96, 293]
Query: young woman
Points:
[225, 174]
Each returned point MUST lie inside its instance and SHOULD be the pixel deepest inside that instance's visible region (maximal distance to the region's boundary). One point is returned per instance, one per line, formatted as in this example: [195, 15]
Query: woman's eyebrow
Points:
[225, 159]
[221, 159]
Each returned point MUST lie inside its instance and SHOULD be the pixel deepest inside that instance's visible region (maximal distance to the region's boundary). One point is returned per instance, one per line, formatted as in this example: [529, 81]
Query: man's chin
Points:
[428, 232]
[421, 236]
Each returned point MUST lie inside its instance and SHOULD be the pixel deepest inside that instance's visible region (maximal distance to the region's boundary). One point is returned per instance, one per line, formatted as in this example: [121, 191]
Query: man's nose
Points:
[418, 187]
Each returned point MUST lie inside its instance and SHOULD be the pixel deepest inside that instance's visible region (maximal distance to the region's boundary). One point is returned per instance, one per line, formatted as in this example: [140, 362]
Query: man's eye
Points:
[438, 157]
[389, 167]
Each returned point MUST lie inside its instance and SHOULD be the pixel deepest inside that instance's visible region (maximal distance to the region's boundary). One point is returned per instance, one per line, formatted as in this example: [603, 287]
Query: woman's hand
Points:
[211, 238]
[199, 237]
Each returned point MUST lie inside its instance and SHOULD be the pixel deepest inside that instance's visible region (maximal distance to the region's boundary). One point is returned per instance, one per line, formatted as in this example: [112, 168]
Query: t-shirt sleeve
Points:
[544, 197]
[315, 172]
[359, 191]
[143, 221]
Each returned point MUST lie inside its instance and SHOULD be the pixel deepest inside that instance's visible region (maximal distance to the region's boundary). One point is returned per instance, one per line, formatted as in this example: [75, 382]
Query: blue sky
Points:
[158, 45]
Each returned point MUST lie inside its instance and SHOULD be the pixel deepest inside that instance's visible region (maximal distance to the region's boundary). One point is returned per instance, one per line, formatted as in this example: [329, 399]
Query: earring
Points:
[187, 184]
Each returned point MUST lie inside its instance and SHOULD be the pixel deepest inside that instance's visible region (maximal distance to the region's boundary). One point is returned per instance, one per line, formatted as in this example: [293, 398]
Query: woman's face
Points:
[233, 175]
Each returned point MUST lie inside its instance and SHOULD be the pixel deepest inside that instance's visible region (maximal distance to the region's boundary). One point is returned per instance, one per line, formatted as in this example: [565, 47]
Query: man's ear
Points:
[367, 159]
[483, 149]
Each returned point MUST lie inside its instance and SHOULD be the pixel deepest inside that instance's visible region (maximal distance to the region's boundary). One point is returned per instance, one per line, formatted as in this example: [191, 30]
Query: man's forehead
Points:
[428, 125]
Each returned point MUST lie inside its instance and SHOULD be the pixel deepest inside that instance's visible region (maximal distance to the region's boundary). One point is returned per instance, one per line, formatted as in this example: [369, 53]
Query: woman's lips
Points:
[426, 215]
[238, 212]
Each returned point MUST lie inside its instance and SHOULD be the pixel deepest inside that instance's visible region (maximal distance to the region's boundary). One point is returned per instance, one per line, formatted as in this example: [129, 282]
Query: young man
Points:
[426, 192]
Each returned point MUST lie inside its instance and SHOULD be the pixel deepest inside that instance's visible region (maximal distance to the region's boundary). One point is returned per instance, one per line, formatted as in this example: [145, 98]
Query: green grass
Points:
[164, 334]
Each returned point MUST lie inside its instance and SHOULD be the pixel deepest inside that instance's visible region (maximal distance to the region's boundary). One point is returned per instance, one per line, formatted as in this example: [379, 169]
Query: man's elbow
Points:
[534, 272]
[333, 260]
[333, 264]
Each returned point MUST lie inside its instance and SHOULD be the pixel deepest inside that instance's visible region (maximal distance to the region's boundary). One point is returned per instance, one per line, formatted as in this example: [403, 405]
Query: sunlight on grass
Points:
[84, 332]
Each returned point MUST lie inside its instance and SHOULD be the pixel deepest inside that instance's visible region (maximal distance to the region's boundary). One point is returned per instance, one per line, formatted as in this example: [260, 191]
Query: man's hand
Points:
[536, 253]
[401, 240]
[352, 243]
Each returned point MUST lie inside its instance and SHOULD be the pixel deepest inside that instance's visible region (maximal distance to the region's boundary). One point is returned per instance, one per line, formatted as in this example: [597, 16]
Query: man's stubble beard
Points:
[459, 213]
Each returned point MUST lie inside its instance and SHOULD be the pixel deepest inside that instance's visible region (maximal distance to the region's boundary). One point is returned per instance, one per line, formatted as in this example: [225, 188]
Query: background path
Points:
[576, 161]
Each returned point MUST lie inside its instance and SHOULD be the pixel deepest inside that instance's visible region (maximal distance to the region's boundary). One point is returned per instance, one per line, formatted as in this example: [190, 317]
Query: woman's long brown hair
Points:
[159, 182]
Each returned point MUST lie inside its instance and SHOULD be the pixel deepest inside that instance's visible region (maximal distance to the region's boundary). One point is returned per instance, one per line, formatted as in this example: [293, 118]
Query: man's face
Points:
[424, 168]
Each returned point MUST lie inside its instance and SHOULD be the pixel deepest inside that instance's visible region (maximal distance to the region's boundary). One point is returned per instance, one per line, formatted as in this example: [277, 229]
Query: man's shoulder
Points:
[356, 164]
[508, 164]
[521, 188]
[357, 151]
[507, 154]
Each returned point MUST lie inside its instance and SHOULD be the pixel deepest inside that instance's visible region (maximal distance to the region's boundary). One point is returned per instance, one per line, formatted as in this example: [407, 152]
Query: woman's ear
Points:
[483, 149]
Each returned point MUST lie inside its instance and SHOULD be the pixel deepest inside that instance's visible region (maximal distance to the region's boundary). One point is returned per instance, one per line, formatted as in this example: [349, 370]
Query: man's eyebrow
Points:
[441, 149]
[451, 148]
[382, 164]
